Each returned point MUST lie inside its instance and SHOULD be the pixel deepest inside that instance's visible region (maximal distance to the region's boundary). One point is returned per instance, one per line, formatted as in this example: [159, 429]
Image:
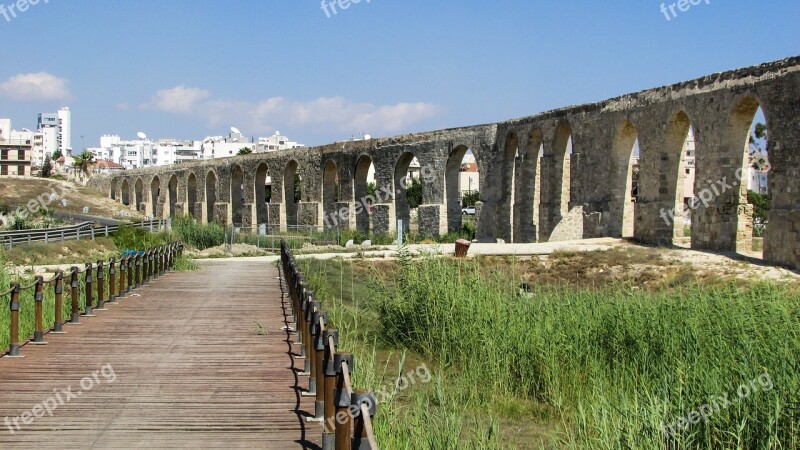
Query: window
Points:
[688, 171]
[20, 155]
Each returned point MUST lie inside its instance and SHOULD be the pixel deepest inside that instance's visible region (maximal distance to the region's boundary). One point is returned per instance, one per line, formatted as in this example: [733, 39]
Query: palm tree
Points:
[245, 151]
[83, 161]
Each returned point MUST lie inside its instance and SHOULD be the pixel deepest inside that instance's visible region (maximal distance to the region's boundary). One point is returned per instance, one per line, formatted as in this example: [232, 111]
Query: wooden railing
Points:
[346, 414]
[85, 230]
[134, 270]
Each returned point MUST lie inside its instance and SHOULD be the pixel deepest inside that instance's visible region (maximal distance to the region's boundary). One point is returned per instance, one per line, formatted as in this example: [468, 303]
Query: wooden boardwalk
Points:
[180, 364]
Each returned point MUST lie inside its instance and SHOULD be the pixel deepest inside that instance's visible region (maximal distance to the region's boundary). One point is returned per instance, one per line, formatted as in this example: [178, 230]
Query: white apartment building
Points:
[274, 143]
[57, 128]
[64, 130]
[143, 152]
[5, 129]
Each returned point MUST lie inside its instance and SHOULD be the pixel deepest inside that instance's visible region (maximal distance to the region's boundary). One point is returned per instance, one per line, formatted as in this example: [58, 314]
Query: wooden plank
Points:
[184, 365]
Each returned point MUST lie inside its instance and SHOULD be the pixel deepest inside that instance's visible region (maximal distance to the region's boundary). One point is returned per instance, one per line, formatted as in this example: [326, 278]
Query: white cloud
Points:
[35, 87]
[325, 114]
[178, 100]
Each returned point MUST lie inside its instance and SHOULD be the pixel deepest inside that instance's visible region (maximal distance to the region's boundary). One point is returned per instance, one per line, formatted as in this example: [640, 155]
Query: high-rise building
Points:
[5, 129]
[61, 122]
[65, 130]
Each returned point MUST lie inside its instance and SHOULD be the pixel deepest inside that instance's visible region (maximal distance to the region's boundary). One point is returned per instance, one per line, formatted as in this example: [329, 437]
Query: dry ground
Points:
[15, 192]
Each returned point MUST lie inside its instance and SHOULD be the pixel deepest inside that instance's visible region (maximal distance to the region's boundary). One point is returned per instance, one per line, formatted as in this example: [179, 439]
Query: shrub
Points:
[199, 236]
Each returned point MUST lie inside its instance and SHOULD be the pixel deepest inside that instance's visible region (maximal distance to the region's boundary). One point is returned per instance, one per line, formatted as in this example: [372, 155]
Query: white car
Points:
[469, 210]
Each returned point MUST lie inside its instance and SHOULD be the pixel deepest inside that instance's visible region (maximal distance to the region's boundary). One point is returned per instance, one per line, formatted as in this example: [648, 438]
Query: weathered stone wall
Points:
[590, 182]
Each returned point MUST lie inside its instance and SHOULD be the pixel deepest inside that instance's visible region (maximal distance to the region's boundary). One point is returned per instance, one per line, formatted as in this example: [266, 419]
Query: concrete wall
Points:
[591, 182]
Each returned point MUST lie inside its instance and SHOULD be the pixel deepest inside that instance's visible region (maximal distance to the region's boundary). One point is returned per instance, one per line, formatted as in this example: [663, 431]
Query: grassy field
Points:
[590, 358]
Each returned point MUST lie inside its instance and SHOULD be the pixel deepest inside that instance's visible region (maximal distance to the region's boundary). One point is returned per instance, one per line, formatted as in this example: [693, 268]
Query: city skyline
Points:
[323, 77]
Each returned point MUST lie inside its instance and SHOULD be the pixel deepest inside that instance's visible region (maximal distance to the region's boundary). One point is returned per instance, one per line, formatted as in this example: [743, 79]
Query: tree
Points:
[244, 151]
[470, 199]
[47, 168]
[414, 193]
[57, 154]
[759, 138]
[83, 161]
[298, 188]
[761, 206]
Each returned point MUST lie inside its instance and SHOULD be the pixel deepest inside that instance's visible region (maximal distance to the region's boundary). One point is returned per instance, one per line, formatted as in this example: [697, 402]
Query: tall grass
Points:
[617, 363]
[199, 236]
[614, 363]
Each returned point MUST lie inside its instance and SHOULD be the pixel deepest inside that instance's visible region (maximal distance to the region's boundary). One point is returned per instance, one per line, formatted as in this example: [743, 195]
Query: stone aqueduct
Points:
[580, 194]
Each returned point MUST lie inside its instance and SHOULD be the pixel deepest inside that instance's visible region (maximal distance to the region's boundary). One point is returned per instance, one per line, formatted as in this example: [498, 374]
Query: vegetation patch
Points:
[593, 358]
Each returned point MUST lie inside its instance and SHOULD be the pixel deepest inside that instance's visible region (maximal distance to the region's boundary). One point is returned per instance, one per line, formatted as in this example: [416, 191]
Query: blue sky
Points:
[192, 68]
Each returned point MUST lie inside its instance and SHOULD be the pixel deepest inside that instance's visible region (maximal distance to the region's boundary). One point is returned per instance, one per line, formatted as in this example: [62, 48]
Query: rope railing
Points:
[100, 281]
[346, 413]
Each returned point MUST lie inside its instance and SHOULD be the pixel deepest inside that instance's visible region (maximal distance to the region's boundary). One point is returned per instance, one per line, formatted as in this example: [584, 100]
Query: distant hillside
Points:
[62, 197]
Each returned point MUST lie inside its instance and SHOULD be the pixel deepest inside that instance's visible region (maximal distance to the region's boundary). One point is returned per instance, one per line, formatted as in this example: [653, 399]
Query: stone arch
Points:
[126, 193]
[527, 201]
[401, 184]
[330, 194]
[237, 195]
[191, 194]
[155, 195]
[452, 187]
[211, 195]
[173, 195]
[563, 147]
[678, 146]
[509, 191]
[138, 192]
[291, 198]
[113, 189]
[260, 189]
[360, 181]
[737, 220]
[621, 201]
[537, 190]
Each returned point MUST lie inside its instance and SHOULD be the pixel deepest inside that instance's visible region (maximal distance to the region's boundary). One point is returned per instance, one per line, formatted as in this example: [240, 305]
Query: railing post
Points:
[13, 349]
[101, 288]
[131, 267]
[58, 290]
[38, 298]
[73, 282]
[112, 280]
[149, 260]
[308, 311]
[138, 264]
[320, 318]
[360, 440]
[88, 310]
[344, 421]
[328, 434]
[122, 269]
